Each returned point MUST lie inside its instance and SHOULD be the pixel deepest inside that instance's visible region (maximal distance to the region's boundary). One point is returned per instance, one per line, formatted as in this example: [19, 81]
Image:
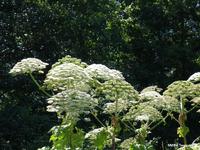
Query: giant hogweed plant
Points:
[78, 92]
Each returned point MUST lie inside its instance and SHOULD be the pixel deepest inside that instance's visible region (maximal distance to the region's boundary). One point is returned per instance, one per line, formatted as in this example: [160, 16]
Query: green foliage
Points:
[141, 147]
[131, 144]
[98, 138]
[66, 136]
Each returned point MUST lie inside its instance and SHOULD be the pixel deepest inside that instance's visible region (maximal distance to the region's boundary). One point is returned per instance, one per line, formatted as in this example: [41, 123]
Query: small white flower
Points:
[28, 65]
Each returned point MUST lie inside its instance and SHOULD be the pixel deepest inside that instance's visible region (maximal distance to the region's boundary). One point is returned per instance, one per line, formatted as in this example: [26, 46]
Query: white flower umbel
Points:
[143, 112]
[152, 88]
[118, 106]
[196, 100]
[167, 103]
[69, 59]
[150, 96]
[179, 89]
[195, 77]
[144, 117]
[72, 103]
[28, 65]
[103, 73]
[94, 133]
[113, 90]
[183, 89]
[67, 76]
[126, 144]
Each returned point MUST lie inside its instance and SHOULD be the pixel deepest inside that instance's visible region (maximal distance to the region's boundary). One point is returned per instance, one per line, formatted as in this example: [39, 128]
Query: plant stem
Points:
[114, 122]
[159, 122]
[128, 126]
[196, 139]
[192, 109]
[182, 119]
[172, 116]
[38, 85]
[97, 119]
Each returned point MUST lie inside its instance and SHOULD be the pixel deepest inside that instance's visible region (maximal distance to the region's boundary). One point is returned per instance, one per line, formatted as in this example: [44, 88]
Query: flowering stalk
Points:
[183, 129]
[163, 120]
[38, 85]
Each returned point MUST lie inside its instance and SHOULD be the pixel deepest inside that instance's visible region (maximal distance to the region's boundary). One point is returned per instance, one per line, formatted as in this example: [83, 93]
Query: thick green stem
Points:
[114, 123]
[97, 119]
[38, 85]
[182, 119]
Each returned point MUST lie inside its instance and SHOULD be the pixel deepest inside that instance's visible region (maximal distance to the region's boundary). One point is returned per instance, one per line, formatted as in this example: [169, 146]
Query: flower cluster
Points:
[69, 59]
[118, 106]
[195, 77]
[167, 103]
[180, 89]
[67, 76]
[28, 65]
[196, 101]
[152, 88]
[127, 143]
[143, 112]
[72, 103]
[103, 73]
[113, 90]
[94, 133]
[150, 96]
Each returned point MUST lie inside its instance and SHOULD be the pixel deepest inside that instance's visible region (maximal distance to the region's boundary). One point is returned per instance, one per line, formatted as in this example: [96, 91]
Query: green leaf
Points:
[66, 136]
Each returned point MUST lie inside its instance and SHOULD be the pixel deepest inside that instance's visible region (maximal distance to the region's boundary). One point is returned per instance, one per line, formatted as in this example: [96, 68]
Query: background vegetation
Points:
[150, 41]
